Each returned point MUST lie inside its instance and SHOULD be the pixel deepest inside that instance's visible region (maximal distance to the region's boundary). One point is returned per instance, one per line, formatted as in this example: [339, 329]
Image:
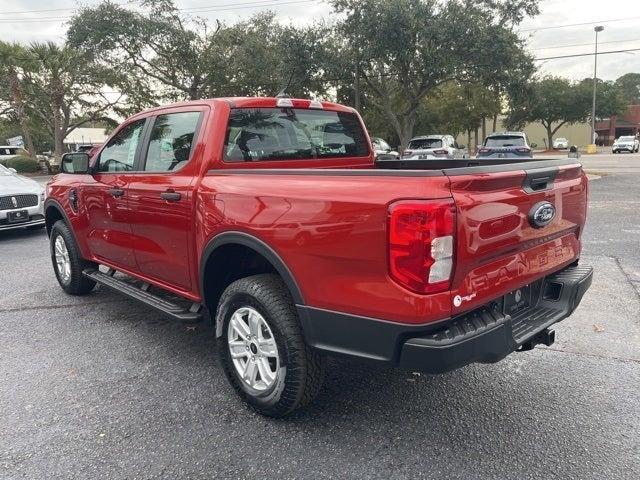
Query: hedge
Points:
[22, 164]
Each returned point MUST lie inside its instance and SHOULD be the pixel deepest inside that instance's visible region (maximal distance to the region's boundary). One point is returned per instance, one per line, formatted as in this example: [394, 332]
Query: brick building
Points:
[609, 129]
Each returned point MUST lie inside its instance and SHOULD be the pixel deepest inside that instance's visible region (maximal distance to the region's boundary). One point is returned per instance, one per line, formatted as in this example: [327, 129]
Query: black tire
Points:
[77, 283]
[302, 368]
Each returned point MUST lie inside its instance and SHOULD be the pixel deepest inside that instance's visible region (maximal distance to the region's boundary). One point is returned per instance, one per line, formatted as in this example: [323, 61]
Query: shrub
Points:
[23, 164]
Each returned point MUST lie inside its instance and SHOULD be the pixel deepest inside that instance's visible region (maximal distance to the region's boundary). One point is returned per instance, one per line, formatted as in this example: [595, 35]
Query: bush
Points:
[23, 164]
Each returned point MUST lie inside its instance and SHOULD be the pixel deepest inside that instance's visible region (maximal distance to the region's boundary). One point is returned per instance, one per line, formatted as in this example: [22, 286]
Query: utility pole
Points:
[592, 140]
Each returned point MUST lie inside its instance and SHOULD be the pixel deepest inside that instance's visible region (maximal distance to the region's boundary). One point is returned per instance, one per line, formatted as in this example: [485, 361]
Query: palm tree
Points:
[14, 59]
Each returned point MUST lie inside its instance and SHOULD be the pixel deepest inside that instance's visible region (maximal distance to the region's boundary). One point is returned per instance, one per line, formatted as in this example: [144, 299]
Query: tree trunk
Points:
[484, 127]
[476, 139]
[495, 123]
[549, 136]
[18, 106]
[469, 140]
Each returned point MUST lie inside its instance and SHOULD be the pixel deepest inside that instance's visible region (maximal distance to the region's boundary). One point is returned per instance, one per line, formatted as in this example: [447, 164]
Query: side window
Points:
[120, 153]
[171, 141]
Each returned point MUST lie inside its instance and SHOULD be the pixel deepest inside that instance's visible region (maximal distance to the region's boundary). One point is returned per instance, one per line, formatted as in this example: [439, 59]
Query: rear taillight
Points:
[523, 150]
[440, 152]
[421, 244]
[484, 150]
[407, 152]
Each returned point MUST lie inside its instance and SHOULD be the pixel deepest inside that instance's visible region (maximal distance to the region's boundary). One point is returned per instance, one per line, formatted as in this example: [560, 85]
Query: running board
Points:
[190, 315]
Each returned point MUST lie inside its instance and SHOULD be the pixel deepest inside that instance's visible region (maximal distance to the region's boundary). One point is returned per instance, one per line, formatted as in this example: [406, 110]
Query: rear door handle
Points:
[170, 196]
[117, 192]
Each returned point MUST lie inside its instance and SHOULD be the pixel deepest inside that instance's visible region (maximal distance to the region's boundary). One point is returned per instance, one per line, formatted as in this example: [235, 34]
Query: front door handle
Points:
[170, 196]
[117, 192]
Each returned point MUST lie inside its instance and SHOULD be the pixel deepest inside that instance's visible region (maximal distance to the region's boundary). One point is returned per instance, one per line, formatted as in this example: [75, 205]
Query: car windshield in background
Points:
[425, 144]
[626, 139]
[292, 134]
[504, 141]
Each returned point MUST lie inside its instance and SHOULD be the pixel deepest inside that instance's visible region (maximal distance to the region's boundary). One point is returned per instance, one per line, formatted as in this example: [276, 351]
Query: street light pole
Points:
[592, 140]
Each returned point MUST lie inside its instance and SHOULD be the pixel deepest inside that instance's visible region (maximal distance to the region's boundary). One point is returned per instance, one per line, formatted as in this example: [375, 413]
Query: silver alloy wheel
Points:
[253, 349]
[62, 259]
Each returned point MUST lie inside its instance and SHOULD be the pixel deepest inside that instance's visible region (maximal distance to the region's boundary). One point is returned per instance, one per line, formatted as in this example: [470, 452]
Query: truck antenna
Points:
[282, 93]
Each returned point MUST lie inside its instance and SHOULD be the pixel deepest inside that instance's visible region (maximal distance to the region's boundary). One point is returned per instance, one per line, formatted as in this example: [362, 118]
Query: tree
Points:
[629, 83]
[405, 49]
[13, 58]
[610, 98]
[553, 102]
[64, 90]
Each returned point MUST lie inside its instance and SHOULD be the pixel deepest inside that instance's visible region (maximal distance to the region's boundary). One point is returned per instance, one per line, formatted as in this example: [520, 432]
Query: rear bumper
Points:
[483, 335]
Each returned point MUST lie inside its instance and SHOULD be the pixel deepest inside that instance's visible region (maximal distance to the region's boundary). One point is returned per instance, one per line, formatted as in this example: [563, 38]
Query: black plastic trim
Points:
[259, 246]
[50, 202]
[346, 172]
[484, 335]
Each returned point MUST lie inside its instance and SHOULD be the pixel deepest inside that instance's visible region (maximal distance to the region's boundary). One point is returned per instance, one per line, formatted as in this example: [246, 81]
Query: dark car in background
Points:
[506, 145]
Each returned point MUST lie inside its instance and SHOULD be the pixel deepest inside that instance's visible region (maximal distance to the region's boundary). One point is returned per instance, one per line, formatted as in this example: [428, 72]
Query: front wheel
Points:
[68, 263]
[262, 350]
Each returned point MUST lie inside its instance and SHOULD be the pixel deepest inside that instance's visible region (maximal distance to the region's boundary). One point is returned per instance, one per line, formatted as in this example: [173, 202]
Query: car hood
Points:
[15, 185]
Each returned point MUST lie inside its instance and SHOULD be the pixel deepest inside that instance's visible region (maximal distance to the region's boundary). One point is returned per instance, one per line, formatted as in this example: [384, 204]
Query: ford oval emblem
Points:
[541, 214]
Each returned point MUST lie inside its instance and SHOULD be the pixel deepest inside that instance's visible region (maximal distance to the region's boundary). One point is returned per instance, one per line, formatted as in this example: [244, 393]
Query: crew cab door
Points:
[105, 198]
[161, 197]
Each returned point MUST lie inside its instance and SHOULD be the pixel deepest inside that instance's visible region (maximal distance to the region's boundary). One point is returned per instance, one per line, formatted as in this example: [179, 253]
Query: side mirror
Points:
[77, 162]
[534, 145]
[12, 170]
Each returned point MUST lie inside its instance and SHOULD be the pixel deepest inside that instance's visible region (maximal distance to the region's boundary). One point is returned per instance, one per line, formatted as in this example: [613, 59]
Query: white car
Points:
[628, 144]
[433, 147]
[560, 143]
[381, 147]
[21, 201]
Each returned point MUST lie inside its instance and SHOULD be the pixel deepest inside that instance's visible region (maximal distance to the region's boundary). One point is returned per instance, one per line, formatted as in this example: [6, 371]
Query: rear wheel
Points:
[262, 349]
[68, 263]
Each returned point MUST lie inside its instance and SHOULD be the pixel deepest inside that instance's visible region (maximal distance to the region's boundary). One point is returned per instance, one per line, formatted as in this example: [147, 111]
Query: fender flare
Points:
[240, 238]
[50, 202]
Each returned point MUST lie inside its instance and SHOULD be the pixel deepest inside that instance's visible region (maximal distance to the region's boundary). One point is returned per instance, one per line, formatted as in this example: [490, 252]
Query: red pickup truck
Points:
[271, 217]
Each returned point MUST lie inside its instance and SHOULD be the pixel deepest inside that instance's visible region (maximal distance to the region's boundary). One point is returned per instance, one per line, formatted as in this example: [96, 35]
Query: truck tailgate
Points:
[500, 246]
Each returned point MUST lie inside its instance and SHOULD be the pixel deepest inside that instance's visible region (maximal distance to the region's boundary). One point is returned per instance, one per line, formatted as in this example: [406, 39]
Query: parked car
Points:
[21, 201]
[506, 145]
[380, 147]
[9, 151]
[272, 214]
[625, 144]
[433, 147]
[561, 143]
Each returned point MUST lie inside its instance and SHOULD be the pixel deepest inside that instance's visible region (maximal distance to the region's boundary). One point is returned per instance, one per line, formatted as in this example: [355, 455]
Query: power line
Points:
[587, 54]
[599, 22]
[203, 8]
[585, 44]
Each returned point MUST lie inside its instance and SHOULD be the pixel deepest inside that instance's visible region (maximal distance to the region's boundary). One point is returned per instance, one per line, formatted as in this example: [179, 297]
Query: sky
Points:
[552, 33]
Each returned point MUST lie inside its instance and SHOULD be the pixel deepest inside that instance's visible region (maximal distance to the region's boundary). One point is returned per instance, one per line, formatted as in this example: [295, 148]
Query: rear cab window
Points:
[425, 143]
[272, 134]
[505, 141]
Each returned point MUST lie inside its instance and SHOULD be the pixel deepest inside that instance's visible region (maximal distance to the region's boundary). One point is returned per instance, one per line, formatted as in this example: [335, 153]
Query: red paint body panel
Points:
[330, 230]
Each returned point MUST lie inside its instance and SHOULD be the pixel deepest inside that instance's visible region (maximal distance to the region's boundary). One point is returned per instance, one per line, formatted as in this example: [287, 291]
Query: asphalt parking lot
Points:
[102, 387]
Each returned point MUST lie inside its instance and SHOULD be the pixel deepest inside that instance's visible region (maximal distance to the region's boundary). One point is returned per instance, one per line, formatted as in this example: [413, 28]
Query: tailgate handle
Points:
[539, 180]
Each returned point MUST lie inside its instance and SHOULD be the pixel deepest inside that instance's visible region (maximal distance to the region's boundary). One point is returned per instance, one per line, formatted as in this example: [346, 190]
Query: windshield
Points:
[561, 139]
[292, 134]
[425, 143]
[505, 141]
[626, 139]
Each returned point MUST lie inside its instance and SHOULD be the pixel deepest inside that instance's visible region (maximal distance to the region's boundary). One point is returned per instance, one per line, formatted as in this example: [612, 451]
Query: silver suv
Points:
[433, 147]
[506, 145]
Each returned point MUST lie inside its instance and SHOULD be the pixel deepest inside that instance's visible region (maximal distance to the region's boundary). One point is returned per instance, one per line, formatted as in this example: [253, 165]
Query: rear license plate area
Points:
[18, 216]
[517, 300]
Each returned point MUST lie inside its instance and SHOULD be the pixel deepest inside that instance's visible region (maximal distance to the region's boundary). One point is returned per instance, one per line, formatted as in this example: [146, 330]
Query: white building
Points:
[85, 136]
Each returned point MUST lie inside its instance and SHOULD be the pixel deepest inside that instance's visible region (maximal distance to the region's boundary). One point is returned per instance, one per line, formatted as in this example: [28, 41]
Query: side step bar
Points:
[191, 315]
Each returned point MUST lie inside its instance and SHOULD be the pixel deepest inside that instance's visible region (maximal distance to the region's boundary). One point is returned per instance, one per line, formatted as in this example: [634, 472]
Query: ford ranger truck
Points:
[270, 217]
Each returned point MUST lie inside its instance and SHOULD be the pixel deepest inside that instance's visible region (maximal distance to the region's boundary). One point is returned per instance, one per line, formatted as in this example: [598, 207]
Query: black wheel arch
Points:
[231, 238]
[54, 211]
